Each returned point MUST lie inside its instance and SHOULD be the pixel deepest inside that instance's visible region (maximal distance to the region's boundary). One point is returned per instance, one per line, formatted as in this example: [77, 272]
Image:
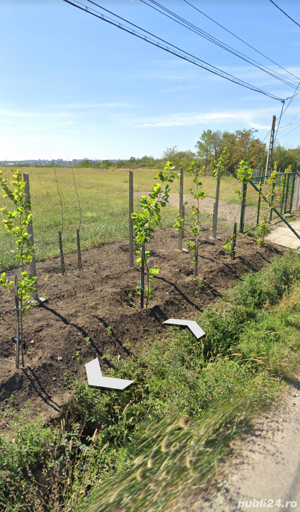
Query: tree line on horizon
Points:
[240, 145]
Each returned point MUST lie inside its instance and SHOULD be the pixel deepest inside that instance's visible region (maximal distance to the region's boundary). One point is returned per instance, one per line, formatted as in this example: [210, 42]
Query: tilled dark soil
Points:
[94, 312]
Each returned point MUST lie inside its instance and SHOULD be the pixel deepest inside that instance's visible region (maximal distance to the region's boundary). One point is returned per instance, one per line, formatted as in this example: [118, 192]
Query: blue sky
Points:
[73, 86]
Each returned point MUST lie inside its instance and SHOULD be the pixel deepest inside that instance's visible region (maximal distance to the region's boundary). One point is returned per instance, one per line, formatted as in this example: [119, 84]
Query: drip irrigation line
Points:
[61, 203]
[78, 199]
[193, 28]
[240, 39]
[172, 49]
[292, 19]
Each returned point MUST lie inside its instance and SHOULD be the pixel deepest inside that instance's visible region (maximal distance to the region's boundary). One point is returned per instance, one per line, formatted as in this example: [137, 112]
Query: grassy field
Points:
[103, 213]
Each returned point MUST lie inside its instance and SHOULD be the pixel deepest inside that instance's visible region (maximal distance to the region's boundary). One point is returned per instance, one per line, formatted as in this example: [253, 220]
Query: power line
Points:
[295, 117]
[266, 135]
[279, 121]
[193, 28]
[285, 134]
[240, 39]
[284, 13]
[174, 50]
[292, 98]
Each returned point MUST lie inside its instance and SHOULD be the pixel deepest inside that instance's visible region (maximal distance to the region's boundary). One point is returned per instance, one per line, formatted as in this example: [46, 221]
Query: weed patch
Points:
[159, 440]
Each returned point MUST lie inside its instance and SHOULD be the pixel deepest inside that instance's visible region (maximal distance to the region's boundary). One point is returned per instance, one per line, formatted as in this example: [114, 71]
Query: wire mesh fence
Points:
[94, 201]
[265, 196]
[97, 203]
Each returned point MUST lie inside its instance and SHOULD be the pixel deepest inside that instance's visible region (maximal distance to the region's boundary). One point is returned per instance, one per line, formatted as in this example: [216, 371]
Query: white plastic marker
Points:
[95, 378]
[191, 324]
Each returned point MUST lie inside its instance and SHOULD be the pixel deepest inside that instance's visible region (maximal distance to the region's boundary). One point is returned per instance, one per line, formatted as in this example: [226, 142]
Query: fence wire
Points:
[97, 202]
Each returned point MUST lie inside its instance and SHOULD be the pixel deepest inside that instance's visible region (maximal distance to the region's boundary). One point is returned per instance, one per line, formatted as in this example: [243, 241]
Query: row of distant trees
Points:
[240, 145]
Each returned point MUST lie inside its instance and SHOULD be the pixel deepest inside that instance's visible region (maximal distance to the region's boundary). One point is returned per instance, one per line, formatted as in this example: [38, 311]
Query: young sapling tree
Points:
[230, 245]
[196, 172]
[16, 223]
[244, 175]
[268, 206]
[144, 224]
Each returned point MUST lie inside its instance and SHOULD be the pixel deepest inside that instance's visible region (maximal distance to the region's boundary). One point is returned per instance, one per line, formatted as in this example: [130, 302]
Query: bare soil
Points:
[94, 312]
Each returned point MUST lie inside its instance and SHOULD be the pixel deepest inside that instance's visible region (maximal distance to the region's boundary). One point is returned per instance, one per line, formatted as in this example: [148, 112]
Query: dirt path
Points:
[265, 472]
[226, 212]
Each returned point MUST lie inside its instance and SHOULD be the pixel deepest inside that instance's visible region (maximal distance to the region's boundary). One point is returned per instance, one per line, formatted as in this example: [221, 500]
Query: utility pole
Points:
[270, 150]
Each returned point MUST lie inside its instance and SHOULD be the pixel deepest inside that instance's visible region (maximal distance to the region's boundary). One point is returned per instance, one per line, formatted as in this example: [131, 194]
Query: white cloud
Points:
[179, 70]
[75, 106]
[24, 113]
[194, 118]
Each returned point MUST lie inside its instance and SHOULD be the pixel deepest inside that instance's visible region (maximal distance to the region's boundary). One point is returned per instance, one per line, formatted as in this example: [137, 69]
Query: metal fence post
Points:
[243, 207]
[297, 193]
[32, 265]
[259, 201]
[181, 210]
[130, 219]
[216, 204]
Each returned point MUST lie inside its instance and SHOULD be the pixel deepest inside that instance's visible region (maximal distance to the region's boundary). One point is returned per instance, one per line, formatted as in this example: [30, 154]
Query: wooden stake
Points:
[131, 250]
[62, 260]
[79, 250]
[142, 276]
[196, 257]
[181, 211]
[17, 323]
[234, 240]
[216, 204]
[32, 264]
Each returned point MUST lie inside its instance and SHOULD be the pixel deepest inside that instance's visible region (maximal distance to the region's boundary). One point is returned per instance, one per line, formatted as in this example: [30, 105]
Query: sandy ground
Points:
[265, 471]
[226, 212]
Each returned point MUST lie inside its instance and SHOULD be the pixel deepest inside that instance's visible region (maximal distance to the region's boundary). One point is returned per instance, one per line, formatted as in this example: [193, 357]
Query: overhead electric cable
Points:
[285, 134]
[193, 28]
[266, 135]
[292, 98]
[279, 121]
[291, 123]
[285, 13]
[239, 38]
[174, 50]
